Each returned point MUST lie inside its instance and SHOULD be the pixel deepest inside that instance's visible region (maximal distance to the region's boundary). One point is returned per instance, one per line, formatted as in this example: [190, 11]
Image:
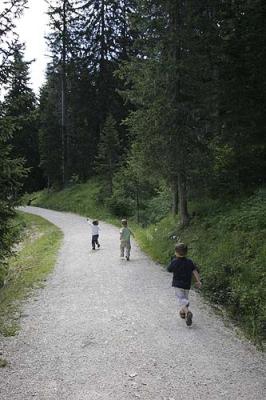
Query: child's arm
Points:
[171, 265]
[197, 277]
[131, 233]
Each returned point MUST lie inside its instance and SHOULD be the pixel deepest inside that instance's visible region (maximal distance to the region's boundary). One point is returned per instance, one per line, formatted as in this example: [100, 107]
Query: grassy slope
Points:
[225, 239]
[28, 269]
[228, 243]
[82, 199]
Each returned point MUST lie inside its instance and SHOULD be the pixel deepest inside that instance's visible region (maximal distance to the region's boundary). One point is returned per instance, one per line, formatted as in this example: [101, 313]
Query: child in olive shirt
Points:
[183, 268]
[125, 244]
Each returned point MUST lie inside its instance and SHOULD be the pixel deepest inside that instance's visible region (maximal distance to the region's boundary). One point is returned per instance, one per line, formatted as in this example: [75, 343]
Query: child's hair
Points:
[95, 222]
[124, 222]
[181, 249]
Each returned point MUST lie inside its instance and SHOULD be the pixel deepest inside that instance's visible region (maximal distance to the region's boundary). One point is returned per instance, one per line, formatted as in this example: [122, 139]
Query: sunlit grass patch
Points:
[84, 199]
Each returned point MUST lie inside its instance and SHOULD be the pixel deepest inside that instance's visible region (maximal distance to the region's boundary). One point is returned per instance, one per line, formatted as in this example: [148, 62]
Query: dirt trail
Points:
[104, 328]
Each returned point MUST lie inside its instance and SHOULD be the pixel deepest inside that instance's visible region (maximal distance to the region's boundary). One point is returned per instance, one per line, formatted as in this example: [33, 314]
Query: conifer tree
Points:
[49, 134]
[108, 153]
[10, 10]
[11, 169]
[240, 57]
[96, 37]
[168, 87]
[61, 41]
[20, 108]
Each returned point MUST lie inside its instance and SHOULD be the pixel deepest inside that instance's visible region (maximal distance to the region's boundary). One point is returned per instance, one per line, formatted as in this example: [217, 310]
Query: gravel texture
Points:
[104, 328]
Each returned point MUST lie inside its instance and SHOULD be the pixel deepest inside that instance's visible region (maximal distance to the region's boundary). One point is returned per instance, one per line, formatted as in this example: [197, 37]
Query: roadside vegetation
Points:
[81, 199]
[225, 238]
[34, 259]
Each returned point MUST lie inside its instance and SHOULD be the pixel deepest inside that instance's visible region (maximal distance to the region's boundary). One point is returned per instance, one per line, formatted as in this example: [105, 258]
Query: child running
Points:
[125, 234]
[183, 268]
[95, 233]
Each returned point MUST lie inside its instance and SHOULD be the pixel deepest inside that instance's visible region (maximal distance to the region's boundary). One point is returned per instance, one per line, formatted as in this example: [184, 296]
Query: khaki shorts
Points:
[125, 245]
[182, 296]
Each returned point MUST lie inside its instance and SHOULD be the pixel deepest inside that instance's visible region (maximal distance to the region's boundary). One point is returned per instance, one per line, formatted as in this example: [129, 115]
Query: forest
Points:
[161, 102]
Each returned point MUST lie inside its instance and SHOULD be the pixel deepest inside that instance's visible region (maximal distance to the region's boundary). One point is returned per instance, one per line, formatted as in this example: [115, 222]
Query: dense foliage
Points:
[179, 78]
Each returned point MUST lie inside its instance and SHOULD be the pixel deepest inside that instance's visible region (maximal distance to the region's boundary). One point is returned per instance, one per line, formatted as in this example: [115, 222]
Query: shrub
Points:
[120, 207]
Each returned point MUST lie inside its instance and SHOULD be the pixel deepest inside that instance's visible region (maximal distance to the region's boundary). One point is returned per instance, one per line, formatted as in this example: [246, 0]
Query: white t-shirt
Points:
[95, 229]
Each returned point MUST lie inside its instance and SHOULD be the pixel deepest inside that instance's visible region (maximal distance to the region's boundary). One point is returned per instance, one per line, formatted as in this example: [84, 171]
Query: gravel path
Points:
[104, 328]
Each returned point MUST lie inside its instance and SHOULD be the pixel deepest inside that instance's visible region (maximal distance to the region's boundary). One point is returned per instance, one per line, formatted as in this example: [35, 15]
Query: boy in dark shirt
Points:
[183, 269]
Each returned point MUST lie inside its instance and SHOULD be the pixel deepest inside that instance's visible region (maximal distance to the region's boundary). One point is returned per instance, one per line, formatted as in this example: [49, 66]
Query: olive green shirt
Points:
[125, 234]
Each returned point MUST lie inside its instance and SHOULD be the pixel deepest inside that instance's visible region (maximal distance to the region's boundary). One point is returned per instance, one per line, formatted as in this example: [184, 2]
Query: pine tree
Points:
[20, 108]
[11, 169]
[108, 153]
[9, 11]
[12, 172]
[104, 39]
[241, 96]
[94, 37]
[168, 87]
[49, 135]
[61, 13]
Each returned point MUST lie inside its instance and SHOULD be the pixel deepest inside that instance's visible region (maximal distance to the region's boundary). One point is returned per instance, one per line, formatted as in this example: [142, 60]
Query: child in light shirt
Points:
[94, 233]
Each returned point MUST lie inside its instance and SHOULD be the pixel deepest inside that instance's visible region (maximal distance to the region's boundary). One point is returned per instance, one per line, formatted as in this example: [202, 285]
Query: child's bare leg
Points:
[128, 247]
[122, 250]
[184, 309]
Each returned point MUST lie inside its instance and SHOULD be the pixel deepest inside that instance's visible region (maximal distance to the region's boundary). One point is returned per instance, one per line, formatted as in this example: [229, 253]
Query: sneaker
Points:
[98, 245]
[127, 258]
[189, 318]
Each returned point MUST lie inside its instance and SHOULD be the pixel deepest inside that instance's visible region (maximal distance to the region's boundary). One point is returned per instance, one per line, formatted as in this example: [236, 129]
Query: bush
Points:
[159, 206]
[120, 207]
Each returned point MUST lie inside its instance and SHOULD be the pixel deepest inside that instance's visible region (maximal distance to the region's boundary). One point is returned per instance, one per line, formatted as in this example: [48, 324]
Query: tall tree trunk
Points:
[182, 200]
[103, 81]
[177, 23]
[63, 98]
[174, 198]
[137, 201]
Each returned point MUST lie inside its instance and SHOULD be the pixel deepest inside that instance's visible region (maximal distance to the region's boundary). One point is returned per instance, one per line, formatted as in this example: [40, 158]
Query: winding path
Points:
[104, 328]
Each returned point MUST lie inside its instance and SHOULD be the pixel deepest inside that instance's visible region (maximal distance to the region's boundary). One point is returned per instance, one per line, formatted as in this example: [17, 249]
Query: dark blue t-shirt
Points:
[182, 269]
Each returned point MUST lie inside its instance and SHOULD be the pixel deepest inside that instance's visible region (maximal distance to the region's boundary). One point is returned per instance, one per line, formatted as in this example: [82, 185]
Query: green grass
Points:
[84, 199]
[28, 269]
